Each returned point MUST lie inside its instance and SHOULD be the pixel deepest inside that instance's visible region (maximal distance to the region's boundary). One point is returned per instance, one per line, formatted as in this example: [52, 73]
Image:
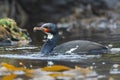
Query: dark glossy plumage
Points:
[81, 47]
[76, 46]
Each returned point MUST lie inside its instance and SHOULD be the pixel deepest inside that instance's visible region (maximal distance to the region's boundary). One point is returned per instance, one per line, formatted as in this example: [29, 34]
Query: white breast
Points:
[49, 36]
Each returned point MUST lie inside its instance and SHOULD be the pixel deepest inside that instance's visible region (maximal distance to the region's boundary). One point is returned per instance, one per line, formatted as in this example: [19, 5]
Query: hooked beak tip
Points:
[36, 28]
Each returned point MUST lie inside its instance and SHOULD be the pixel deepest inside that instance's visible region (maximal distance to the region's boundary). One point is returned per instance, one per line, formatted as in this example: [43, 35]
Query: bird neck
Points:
[53, 38]
[49, 45]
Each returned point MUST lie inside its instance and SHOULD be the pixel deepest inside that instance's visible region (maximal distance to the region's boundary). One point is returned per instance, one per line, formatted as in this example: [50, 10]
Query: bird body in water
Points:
[76, 46]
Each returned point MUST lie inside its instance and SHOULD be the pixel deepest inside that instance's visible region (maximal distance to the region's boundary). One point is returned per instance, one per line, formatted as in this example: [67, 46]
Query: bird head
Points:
[49, 28]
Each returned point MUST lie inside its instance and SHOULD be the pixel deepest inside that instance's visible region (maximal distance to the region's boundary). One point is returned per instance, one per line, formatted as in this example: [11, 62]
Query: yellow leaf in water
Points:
[111, 78]
[9, 77]
[11, 67]
[60, 74]
[84, 71]
[56, 68]
[28, 72]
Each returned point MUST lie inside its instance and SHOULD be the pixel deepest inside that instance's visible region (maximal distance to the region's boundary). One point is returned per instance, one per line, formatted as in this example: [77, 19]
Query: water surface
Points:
[102, 67]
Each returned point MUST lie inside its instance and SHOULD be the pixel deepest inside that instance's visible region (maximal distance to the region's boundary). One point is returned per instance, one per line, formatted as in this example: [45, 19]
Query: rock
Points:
[10, 33]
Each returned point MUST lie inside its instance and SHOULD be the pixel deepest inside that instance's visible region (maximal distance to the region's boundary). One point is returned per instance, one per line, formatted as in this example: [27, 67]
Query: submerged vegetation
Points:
[53, 72]
[57, 72]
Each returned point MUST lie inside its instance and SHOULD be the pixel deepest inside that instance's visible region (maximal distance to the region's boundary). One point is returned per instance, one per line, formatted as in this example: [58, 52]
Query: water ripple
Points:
[50, 57]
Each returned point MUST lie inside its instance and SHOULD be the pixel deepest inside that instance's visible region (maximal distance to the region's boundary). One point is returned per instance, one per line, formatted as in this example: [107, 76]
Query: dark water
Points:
[102, 67]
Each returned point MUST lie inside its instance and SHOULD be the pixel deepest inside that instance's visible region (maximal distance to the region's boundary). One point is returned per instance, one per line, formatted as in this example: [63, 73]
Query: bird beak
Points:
[41, 28]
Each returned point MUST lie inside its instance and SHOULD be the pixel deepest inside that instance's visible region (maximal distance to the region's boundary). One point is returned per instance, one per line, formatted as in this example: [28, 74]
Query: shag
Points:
[76, 46]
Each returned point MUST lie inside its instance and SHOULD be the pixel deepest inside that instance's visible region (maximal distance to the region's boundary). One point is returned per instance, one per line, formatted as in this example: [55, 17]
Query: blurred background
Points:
[76, 19]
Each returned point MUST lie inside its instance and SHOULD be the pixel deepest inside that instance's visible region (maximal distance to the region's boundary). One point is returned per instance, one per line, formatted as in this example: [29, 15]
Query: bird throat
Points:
[49, 36]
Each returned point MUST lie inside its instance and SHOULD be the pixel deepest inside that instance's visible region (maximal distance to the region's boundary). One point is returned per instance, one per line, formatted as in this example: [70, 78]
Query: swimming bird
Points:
[75, 46]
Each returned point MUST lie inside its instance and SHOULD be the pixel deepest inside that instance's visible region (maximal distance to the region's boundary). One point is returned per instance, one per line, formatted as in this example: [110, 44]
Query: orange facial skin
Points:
[45, 29]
